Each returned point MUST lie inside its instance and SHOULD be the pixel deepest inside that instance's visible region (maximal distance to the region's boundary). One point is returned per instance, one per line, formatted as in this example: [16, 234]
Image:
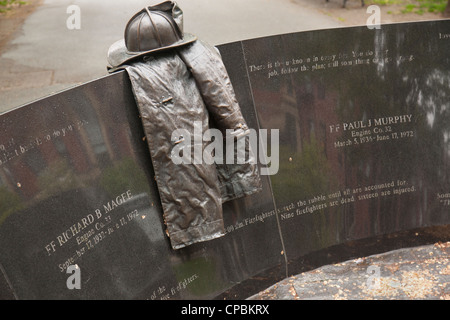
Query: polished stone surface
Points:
[78, 189]
[362, 117]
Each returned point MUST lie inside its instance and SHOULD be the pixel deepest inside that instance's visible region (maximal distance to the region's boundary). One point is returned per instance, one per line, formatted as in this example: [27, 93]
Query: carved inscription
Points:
[372, 130]
[444, 35]
[329, 200]
[165, 293]
[349, 195]
[85, 234]
[260, 217]
[317, 63]
[444, 198]
[11, 149]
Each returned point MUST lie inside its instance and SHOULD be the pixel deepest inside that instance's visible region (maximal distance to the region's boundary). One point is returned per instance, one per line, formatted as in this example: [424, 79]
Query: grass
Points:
[387, 2]
[415, 6]
[6, 5]
[432, 5]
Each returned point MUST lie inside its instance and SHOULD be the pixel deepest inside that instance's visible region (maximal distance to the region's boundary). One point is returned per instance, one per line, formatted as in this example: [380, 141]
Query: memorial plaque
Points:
[77, 189]
[361, 121]
[364, 129]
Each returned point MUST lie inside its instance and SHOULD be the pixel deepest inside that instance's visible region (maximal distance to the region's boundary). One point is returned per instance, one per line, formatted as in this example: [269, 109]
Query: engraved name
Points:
[84, 223]
[362, 124]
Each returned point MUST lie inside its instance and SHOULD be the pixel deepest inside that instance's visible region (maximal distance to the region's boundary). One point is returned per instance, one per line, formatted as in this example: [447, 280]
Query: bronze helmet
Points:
[152, 29]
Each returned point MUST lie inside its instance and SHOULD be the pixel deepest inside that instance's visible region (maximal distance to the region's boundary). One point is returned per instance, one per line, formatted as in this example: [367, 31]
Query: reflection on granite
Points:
[363, 121]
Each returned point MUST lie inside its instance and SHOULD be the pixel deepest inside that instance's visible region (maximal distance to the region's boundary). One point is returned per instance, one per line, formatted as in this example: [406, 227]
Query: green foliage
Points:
[308, 166]
[386, 2]
[432, 5]
[205, 282]
[124, 175]
[57, 178]
[9, 203]
[6, 5]
[304, 175]
[415, 6]
[409, 7]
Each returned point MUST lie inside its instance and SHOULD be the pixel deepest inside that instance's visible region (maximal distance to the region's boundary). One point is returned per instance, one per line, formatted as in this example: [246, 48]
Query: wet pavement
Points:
[44, 56]
[417, 273]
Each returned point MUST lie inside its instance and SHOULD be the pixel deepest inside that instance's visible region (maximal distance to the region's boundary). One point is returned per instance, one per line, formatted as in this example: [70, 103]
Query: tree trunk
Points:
[447, 10]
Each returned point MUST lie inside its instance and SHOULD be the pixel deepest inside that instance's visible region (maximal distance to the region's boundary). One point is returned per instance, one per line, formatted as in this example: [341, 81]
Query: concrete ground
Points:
[418, 273]
[42, 55]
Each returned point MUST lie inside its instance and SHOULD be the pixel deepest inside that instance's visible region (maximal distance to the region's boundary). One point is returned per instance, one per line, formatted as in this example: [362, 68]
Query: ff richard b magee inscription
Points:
[363, 118]
[92, 229]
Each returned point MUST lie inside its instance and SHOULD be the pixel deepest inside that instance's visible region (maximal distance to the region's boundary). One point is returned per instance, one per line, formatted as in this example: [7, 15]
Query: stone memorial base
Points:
[356, 162]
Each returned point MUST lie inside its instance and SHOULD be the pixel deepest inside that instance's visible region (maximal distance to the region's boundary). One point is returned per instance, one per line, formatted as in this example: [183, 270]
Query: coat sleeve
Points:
[206, 66]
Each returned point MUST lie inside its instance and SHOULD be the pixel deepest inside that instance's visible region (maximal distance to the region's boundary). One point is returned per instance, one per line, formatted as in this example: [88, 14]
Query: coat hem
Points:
[184, 238]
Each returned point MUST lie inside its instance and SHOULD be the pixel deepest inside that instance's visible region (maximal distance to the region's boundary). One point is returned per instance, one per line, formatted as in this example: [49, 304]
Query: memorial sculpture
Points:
[179, 82]
[363, 119]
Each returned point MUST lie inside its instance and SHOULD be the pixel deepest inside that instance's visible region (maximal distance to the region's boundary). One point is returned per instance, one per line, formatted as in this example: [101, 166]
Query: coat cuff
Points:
[234, 121]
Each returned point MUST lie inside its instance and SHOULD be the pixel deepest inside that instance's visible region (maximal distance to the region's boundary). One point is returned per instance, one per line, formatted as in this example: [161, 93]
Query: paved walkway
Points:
[419, 273]
[44, 56]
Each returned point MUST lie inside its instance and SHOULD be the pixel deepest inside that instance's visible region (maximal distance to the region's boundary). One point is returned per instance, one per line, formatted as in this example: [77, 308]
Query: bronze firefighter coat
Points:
[175, 89]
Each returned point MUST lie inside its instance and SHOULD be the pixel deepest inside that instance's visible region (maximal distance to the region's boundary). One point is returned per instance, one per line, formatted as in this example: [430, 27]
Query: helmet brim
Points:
[118, 53]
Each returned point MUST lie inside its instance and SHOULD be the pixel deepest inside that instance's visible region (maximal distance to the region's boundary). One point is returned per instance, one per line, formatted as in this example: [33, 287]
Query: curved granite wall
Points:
[358, 146]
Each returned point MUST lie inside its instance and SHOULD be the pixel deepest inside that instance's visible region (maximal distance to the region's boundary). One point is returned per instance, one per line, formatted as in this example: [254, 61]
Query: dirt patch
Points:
[12, 19]
[354, 14]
